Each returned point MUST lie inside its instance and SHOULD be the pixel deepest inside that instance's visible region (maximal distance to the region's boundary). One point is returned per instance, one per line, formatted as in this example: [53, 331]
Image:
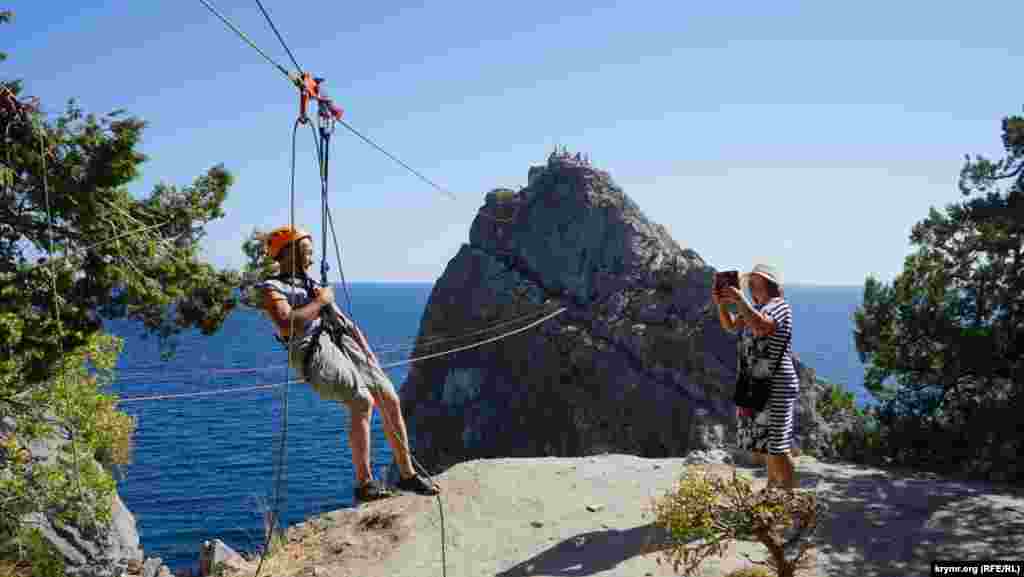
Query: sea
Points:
[203, 466]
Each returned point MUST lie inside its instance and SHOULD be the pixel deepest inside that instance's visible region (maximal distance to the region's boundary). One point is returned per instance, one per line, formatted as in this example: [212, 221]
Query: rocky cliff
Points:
[112, 550]
[637, 363]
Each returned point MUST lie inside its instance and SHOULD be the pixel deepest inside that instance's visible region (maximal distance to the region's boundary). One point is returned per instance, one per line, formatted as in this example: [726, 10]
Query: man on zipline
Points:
[341, 368]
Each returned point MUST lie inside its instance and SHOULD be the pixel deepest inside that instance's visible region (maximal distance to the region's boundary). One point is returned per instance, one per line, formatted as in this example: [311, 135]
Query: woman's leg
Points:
[781, 470]
[759, 458]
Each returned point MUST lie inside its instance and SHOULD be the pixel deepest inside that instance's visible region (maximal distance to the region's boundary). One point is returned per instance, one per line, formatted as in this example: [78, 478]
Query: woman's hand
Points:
[730, 295]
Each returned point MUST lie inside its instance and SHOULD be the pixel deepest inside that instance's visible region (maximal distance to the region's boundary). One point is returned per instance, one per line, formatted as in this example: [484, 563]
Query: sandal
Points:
[417, 484]
[372, 490]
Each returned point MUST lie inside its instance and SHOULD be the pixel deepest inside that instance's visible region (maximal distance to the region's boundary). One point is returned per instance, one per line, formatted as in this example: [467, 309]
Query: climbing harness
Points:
[336, 329]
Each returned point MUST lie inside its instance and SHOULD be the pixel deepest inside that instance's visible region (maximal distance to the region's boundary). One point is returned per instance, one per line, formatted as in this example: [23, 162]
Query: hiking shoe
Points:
[372, 491]
[417, 484]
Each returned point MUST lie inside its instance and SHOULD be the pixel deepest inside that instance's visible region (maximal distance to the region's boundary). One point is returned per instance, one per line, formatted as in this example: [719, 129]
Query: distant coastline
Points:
[825, 286]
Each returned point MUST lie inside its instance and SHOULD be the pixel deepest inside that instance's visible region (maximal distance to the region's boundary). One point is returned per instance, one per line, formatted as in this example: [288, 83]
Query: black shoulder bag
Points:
[753, 392]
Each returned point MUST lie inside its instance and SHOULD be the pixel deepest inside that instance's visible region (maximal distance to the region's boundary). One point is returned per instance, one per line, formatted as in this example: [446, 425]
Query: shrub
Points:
[30, 554]
[704, 513]
[751, 571]
[835, 400]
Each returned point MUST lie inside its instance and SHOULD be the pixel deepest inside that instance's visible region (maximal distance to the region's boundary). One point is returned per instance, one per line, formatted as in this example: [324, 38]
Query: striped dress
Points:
[785, 381]
[771, 430]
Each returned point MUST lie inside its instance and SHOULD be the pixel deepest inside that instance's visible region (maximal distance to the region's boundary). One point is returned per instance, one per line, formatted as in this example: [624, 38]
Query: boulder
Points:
[153, 567]
[214, 553]
[637, 363]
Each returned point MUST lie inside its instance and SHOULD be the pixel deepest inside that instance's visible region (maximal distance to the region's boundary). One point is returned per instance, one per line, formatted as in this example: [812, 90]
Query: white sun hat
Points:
[766, 271]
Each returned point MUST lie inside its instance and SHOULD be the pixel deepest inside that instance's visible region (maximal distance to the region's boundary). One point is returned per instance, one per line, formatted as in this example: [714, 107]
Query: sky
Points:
[812, 135]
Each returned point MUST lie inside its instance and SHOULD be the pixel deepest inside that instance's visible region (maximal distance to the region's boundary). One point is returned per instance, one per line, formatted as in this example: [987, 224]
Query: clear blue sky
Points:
[811, 134]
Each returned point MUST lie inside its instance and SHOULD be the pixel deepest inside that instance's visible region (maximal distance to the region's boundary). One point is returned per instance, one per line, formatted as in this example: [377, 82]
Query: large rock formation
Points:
[636, 364]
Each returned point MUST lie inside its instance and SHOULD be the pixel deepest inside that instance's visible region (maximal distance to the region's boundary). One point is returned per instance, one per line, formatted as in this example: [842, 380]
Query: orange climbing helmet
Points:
[281, 237]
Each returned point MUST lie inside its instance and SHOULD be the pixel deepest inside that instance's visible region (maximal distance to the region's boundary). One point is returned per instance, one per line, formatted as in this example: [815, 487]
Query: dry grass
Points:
[13, 569]
[752, 571]
[287, 557]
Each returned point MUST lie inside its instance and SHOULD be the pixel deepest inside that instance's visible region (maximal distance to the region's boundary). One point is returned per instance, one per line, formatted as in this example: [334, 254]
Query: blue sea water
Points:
[203, 467]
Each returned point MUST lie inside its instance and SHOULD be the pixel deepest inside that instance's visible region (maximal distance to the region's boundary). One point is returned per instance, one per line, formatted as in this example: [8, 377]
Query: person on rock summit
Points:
[766, 325]
[344, 368]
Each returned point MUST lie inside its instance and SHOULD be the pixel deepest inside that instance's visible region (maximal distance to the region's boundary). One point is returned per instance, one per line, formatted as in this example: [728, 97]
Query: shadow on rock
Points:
[589, 553]
[937, 520]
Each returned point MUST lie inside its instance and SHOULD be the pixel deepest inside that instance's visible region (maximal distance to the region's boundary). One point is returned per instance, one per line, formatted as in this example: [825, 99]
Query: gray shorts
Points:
[344, 374]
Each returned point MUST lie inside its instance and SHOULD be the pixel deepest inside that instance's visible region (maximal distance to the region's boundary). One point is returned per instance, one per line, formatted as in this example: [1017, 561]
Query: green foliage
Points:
[704, 513]
[77, 249]
[30, 554]
[954, 316]
[836, 400]
[5, 16]
[946, 339]
[751, 571]
[258, 266]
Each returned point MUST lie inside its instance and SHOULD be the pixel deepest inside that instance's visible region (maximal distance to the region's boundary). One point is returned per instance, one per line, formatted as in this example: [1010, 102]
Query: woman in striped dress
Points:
[770, 323]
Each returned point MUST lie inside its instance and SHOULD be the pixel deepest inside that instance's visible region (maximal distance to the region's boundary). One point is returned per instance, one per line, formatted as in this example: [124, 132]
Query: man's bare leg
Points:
[395, 431]
[359, 440]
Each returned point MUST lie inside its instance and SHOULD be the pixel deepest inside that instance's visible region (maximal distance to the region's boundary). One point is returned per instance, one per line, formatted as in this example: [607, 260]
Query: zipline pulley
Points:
[309, 88]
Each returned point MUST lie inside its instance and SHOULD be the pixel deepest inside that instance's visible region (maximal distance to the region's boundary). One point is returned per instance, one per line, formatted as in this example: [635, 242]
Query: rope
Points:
[337, 254]
[129, 233]
[321, 161]
[246, 39]
[323, 158]
[141, 374]
[281, 471]
[326, 218]
[115, 238]
[480, 344]
[274, 28]
[60, 327]
[323, 146]
[283, 454]
[294, 80]
[436, 340]
[392, 157]
[137, 374]
[201, 394]
[127, 214]
[387, 366]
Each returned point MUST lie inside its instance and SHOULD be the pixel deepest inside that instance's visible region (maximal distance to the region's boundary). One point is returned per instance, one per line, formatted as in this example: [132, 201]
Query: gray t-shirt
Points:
[297, 292]
[298, 296]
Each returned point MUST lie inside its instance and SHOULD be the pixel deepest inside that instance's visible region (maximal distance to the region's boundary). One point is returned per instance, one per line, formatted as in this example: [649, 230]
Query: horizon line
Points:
[814, 284]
